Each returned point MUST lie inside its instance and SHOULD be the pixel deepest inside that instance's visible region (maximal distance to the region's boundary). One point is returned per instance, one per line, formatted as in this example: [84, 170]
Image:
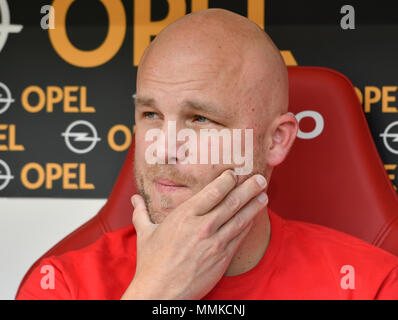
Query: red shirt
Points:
[302, 261]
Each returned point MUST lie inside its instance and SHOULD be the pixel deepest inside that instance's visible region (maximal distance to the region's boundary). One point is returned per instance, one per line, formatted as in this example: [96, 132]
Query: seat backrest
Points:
[334, 178]
[333, 175]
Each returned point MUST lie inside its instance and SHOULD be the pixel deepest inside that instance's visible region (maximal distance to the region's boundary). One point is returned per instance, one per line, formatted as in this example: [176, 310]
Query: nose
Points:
[174, 151]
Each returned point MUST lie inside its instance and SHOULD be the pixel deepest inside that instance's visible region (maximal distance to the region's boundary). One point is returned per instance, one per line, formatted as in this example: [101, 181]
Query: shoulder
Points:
[111, 245]
[331, 257]
[337, 250]
[118, 242]
[80, 268]
[334, 243]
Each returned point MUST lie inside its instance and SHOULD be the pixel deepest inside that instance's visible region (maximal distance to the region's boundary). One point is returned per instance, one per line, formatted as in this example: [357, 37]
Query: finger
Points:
[245, 216]
[141, 218]
[206, 199]
[237, 199]
[234, 244]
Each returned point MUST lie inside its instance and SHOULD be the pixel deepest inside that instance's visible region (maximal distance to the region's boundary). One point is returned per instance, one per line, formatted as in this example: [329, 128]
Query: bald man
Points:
[203, 230]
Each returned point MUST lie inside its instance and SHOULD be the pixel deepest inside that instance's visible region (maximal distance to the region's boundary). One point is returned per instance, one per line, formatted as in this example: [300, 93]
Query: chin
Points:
[162, 204]
[157, 217]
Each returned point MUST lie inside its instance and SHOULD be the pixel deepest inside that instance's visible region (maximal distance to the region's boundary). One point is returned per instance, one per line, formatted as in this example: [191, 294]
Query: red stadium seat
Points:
[336, 178]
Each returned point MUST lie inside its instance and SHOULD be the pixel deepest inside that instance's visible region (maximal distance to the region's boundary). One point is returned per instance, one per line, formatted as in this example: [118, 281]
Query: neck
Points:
[253, 247]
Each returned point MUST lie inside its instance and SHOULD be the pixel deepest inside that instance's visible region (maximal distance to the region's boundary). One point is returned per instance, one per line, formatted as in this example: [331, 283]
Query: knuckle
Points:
[232, 202]
[206, 231]
[217, 246]
[239, 221]
[214, 194]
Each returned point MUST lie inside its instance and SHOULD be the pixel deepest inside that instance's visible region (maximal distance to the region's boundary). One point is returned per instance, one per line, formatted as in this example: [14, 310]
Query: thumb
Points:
[141, 219]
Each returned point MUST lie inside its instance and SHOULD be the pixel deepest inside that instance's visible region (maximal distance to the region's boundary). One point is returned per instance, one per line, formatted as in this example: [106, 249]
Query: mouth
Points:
[166, 186]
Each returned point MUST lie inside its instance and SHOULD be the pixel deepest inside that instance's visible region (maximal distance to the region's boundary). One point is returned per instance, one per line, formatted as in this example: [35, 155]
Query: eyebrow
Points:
[208, 108]
[205, 107]
[138, 101]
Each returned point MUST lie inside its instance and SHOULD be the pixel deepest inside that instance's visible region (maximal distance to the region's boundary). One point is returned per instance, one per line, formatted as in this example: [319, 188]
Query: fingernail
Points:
[133, 201]
[261, 180]
[262, 197]
[234, 174]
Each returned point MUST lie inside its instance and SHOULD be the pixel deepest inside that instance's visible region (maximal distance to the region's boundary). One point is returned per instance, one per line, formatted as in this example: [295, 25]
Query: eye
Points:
[201, 119]
[150, 115]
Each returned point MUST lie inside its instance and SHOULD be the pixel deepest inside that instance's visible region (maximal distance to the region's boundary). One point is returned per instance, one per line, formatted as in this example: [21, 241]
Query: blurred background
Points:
[67, 85]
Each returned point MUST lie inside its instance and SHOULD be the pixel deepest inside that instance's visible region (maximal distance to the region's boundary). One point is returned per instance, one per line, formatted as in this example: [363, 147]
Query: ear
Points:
[282, 138]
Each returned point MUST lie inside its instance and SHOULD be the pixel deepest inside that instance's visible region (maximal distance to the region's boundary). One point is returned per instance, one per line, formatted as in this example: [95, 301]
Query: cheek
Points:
[260, 158]
[140, 144]
[139, 154]
[206, 173]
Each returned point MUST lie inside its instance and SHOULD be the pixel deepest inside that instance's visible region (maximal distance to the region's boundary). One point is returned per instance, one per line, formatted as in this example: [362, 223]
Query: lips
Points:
[169, 183]
[165, 185]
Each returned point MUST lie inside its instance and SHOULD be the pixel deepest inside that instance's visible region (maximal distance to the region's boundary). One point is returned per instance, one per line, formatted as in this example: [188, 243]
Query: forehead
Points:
[188, 69]
[195, 80]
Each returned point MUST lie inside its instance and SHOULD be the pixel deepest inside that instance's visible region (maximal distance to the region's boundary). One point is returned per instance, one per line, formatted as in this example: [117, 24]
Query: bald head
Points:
[232, 48]
[212, 69]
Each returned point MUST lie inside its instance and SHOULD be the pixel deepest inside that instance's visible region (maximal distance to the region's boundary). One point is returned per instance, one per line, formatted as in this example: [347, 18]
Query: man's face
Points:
[198, 91]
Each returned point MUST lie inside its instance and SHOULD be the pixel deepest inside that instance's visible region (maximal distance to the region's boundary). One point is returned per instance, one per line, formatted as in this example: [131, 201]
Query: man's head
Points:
[212, 69]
